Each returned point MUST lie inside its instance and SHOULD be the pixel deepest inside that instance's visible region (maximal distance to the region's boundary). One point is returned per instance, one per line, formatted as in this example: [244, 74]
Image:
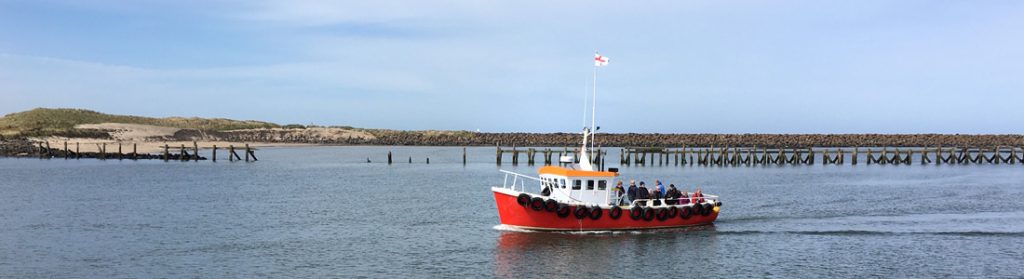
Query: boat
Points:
[578, 196]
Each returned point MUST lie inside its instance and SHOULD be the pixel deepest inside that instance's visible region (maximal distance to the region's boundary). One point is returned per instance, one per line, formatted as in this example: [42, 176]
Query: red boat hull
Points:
[511, 213]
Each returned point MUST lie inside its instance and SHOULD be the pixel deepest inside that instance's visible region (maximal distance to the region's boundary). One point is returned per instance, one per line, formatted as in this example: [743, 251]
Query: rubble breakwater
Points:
[417, 138]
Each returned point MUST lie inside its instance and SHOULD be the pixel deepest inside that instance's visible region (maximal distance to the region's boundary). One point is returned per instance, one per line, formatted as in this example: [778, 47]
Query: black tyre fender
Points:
[672, 212]
[523, 199]
[696, 209]
[550, 205]
[563, 211]
[537, 203]
[684, 212]
[581, 212]
[661, 214]
[636, 212]
[596, 212]
[648, 214]
[615, 212]
[707, 209]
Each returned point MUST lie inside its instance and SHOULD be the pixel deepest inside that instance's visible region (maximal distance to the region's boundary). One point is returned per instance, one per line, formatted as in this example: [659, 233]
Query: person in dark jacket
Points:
[672, 195]
[643, 193]
[631, 192]
[656, 194]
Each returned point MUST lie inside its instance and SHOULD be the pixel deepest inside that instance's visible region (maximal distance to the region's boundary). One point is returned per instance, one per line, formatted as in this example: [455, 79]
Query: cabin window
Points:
[563, 183]
[577, 184]
[590, 185]
[602, 185]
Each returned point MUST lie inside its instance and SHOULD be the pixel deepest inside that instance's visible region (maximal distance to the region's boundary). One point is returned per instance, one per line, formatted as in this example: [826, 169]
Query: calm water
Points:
[325, 212]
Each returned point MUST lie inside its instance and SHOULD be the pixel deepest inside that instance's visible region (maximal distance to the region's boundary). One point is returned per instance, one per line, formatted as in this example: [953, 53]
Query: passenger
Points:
[619, 193]
[684, 197]
[643, 193]
[697, 196]
[631, 193]
[661, 187]
[671, 195]
[656, 195]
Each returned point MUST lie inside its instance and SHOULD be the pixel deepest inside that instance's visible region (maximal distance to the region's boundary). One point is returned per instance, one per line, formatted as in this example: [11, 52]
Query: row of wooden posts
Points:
[390, 161]
[741, 156]
[546, 154]
[183, 154]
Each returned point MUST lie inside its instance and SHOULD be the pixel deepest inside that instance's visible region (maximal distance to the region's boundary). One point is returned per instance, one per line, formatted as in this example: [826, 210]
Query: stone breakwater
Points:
[12, 146]
[638, 140]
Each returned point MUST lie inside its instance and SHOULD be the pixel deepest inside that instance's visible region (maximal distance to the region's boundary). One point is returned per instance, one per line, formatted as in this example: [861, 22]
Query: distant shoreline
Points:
[89, 128]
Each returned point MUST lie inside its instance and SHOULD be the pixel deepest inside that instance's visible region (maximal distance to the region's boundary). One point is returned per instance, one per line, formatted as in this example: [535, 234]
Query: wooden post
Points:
[498, 154]
[622, 154]
[65, 150]
[103, 152]
[687, 159]
[77, 154]
[247, 154]
[389, 157]
[410, 159]
[1013, 155]
[428, 160]
[232, 155]
[213, 156]
[531, 153]
[184, 154]
[463, 156]
[135, 154]
[853, 158]
[120, 155]
[167, 153]
[515, 155]
[195, 149]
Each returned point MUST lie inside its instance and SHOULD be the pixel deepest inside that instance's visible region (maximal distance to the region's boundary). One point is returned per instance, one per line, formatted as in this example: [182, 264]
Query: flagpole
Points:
[593, 113]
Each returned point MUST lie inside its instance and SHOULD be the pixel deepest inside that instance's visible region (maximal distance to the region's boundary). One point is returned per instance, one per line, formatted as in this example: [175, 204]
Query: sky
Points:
[526, 66]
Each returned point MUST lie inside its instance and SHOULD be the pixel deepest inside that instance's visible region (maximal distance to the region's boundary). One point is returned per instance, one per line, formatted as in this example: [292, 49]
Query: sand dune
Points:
[132, 132]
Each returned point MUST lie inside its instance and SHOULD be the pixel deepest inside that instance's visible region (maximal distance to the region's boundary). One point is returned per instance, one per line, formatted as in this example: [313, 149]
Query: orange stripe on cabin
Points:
[570, 172]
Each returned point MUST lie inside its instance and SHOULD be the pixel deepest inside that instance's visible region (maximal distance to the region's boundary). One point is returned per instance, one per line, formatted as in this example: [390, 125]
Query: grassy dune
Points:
[47, 122]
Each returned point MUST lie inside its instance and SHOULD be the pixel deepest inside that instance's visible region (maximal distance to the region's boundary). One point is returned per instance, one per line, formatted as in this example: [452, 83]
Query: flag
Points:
[600, 60]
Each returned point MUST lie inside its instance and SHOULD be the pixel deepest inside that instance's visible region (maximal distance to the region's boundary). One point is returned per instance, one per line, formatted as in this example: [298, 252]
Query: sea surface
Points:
[326, 212]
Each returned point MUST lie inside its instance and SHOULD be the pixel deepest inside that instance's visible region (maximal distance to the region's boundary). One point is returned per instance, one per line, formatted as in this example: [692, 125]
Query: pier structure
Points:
[753, 156]
[549, 155]
[182, 153]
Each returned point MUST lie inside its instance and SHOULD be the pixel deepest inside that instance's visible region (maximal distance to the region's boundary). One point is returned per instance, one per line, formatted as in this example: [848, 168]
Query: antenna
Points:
[585, 87]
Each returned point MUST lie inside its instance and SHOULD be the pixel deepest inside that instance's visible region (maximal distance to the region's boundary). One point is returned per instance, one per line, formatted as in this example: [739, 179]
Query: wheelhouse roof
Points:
[575, 173]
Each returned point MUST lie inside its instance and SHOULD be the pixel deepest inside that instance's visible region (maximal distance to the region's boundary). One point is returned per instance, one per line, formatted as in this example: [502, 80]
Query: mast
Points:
[593, 112]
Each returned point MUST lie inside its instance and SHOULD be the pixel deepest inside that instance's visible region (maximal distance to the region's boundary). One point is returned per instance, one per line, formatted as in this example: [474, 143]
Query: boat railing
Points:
[651, 202]
[518, 179]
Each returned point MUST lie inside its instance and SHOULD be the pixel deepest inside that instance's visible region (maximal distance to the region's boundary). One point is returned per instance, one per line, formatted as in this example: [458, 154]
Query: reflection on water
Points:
[597, 254]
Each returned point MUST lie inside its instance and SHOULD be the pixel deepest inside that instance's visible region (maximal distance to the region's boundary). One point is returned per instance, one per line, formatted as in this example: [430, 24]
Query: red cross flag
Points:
[600, 60]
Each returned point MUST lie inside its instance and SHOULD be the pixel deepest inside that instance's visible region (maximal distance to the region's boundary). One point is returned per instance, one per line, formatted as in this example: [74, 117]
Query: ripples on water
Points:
[320, 212]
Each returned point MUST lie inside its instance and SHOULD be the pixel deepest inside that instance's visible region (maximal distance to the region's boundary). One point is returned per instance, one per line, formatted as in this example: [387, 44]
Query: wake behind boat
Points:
[580, 197]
